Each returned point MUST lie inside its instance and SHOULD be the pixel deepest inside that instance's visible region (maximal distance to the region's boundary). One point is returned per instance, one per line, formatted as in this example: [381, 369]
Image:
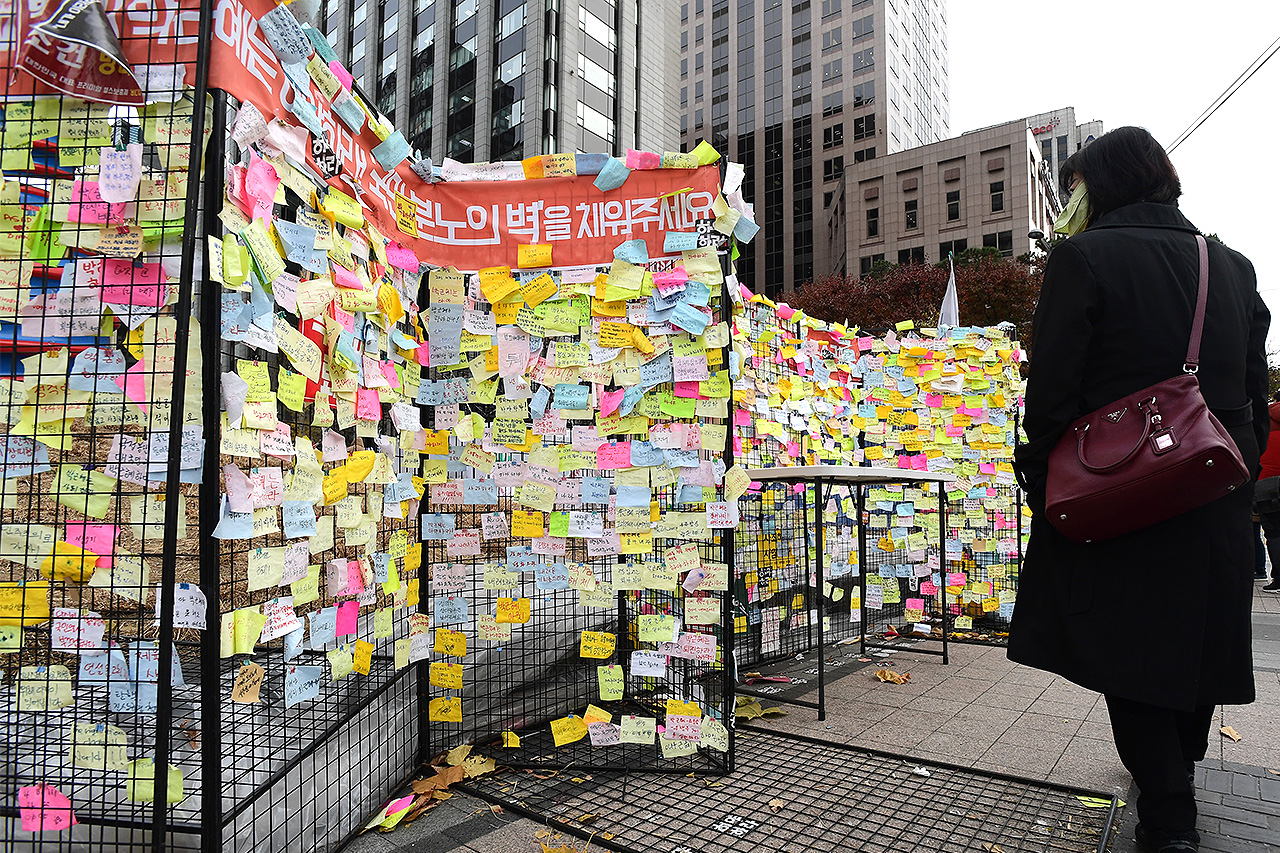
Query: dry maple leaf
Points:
[886, 675]
[1232, 733]
[775, 804]
[993, 848]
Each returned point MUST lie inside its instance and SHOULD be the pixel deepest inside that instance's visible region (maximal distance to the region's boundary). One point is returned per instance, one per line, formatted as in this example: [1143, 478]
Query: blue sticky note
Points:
[551, 576]
[450, 609]
[299, 519]
[595, 490]
[324, 626]
[293, 643]
[320, 43]
[233, 525]
[350, 113]
[481, 491]
[381, 567]
[690, 319]
[392, 151]
[634, 495]
[696, 293]
[690, 494]
[299, 240]
[679, 241]
[437, 526]
[644, 454]
[744, 230]
[632, 251]
[571, 396]
[589, 164]
[682, 458]
[657, 370]
[630, 398]
[612, 175]
[302, 684]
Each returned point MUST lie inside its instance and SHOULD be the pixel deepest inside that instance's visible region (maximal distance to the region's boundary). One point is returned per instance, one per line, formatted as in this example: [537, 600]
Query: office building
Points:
[988, 187]
[1059, 136]
[505, 80]
[813, 87]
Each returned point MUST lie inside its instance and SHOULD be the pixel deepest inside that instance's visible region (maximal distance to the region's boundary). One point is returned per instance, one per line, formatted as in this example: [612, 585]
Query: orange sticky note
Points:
[533, 255]
[513, 610]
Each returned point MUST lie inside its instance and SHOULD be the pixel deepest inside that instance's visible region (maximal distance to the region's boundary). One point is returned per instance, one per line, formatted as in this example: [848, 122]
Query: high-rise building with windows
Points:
[1059, 136]
[865, 77]
[508, 79]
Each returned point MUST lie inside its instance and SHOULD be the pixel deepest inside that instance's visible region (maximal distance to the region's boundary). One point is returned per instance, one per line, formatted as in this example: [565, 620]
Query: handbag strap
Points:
[1192, 364]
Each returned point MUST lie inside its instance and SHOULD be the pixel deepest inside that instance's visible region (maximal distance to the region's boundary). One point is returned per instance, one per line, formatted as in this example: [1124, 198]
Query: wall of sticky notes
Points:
[579, 503]
[93, 213]
[812, 392]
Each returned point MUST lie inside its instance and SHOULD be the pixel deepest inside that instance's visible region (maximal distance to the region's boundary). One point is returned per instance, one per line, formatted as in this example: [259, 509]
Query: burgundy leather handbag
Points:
[1144, 458]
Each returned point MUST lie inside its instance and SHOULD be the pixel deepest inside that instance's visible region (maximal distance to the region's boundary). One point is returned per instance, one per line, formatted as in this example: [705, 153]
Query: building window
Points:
[864, 93]
[1046, 150]
[997, 196]
[863, 59]
[830, 7]
[826, 200]
[833, 136]
[830, 39]
[914, 255]
[866, 262]
[911, 211]
[950, 246]
[864, 126]
[1001, 240]
[863, 27]
[1062, 148]
[864, 154]
[697, 34]
[953, 206]
[873, 222]
[832, 169]
[831, 70]
[833, 104]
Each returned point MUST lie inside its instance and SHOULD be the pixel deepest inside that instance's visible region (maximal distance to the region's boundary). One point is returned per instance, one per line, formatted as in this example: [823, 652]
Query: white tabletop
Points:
[847, 474]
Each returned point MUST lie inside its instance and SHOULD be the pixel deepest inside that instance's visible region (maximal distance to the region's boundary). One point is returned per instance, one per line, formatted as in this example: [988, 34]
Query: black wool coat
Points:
[1161, 615]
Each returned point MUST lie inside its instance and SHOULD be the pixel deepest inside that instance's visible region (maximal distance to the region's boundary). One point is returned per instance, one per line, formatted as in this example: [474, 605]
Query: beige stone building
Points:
[988, 187]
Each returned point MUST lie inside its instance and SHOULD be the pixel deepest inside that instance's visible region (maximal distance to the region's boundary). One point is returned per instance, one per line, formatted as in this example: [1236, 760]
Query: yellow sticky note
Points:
[568, 730]
[343, 208]
[510, 740]
[450, 643]
[447, 709]
[534, 255]
[513, 610]
[597, 644]
[446, 675]
[538, 290]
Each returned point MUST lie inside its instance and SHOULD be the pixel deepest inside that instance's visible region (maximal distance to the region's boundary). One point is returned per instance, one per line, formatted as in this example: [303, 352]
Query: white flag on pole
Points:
[950, 314]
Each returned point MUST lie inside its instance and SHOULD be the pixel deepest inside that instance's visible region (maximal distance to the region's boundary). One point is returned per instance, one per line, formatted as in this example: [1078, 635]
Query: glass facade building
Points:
[504, 80]
[866, 77]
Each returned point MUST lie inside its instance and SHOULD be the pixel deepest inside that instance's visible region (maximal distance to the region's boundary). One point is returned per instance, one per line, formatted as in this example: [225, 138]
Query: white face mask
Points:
[1074, 216]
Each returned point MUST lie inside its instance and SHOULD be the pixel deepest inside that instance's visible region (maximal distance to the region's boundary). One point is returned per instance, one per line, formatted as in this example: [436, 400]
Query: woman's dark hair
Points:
[1122, 167]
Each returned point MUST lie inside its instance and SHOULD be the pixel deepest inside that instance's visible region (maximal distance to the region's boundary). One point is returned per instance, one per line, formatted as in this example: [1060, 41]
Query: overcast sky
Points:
[1153, 64]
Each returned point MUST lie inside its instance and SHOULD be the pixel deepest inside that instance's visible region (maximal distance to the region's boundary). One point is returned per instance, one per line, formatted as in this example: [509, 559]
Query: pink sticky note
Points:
[388, 369]
[423, 354]
[746, 292]
[45, 809]
[260, 184]
[355, 578]
[127, 284]
[920, 462]
[793, 449]
[915, 604]
[610, 400]
[133, 384]
[933, 401]
[741, 417]
[785, 311]
[344, 277]
[368, 407]
[610, 457]
[87, 205]
[402, 257]
[928, 588]
[344, 76]
[98, 538]
[347, 613]
[642, 159]
[686, 389]
[957, 579]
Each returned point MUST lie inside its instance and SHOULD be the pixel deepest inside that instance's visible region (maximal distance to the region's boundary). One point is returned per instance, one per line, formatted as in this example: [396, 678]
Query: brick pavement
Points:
[984, 712]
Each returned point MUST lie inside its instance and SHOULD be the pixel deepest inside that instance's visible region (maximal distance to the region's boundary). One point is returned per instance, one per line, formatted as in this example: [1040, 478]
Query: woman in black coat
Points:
[1157, 620]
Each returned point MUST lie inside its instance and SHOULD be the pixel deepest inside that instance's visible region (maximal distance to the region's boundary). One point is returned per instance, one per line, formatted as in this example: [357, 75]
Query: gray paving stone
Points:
[1270, 790]
[1217, 780]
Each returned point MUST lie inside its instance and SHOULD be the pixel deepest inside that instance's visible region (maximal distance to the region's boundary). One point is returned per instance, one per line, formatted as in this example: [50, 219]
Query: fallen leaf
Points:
[1098, 802]
[775, 804]
[425, 786]
[775, 711]
[542, 833]
[587, 818]
[886, 675]
[992, 848]
[446, 776]
[457, 755]
[1274, 772]
[442, 795]
[563, 848]
[1232, 733]
[478, 765]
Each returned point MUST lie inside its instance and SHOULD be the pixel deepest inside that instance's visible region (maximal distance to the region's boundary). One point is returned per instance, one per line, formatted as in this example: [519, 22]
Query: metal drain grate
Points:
[795, 794]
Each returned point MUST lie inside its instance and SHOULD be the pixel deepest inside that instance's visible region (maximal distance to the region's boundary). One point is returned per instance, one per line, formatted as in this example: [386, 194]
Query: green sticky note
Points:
[558, 524]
